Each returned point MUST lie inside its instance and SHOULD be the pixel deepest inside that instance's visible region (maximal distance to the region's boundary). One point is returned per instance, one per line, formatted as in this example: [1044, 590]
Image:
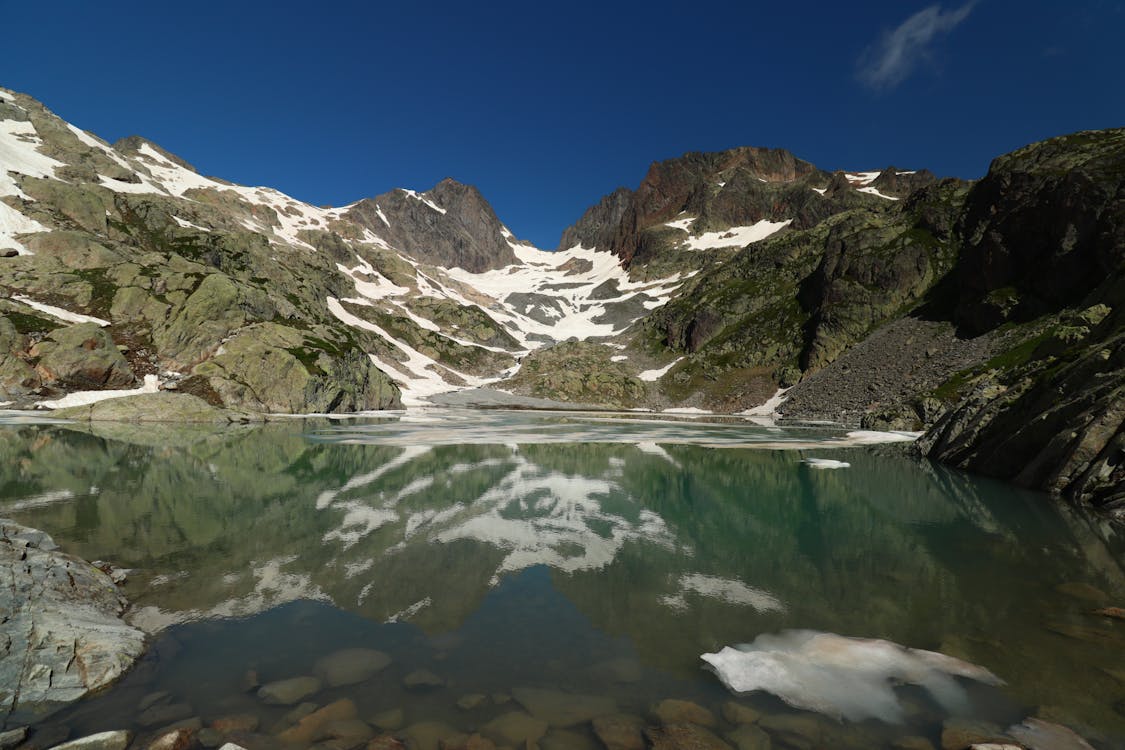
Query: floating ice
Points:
[826, 463]
[847, 678]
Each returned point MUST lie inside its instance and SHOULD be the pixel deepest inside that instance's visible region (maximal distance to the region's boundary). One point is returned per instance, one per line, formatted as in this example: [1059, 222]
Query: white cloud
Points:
[890, 61]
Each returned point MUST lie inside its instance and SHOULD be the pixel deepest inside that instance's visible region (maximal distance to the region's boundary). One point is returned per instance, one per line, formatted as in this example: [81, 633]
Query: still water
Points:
[489, 553]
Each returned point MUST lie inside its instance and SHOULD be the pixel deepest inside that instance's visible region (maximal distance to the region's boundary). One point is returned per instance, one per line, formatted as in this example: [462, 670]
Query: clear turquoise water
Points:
[503, 549]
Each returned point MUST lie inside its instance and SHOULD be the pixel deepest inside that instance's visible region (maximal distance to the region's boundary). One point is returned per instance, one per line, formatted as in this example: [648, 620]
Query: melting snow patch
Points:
[874, 191]
[861, 178]
[684, 224]
[873, 437]
[826, 463]
[654, 375]
[12, 222]
[19, 144]
[58, 312]
[848, 678]
[85, 398]
[424, 199]
[736, 236]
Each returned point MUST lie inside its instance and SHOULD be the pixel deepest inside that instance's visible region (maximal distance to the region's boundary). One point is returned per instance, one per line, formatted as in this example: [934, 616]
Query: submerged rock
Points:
[958, 734]
[422, 679]
[428, 735]
[309, 728]
[620, 731]
[515, 728]
[1037, 734]
[63, 634]
[684, 737]
[561, 709]
[288, 692]
[350, 666]
[389, 720]
[673, 711]
[749, 737]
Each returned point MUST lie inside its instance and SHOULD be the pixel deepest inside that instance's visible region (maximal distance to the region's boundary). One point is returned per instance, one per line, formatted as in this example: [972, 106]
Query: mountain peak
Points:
[449, 225]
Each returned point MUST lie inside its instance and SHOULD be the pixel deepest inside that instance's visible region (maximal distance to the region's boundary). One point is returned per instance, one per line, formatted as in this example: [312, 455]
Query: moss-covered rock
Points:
[273, 368]
[579, 372]
[82, 356]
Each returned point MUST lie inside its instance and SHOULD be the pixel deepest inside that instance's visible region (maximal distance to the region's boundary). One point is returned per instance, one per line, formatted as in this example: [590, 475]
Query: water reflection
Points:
[679, 548]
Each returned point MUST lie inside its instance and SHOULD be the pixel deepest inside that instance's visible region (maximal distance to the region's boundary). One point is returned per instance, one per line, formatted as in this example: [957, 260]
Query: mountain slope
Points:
[198, 280]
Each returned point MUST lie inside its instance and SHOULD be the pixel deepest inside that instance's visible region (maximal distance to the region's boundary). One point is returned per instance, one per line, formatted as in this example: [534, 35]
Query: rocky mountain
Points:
[705, 201]
[987, 313]
[451, 226]
[124, 270]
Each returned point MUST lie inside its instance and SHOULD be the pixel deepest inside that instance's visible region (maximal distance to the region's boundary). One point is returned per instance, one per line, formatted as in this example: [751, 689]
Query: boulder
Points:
[64, 635]
[176, 739]
[17, 377]
[162, 406]
[117, 740]
[82, 356]
[274, 368]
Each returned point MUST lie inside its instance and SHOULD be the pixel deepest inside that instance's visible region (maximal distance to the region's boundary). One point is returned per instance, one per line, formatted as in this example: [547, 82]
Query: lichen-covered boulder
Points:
[82, 356]
[274, 368]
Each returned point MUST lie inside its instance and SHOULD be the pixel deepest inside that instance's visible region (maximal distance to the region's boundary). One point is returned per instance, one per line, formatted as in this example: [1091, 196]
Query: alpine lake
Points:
[521, 574]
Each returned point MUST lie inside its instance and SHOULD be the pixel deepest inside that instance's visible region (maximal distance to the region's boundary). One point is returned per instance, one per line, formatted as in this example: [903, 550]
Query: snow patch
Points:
[684, 224]
[736, 236]
[85, 398]
[58, 312]
[861, 178]
[651, 376]
[424, 199]
[19, 144]
[12, 222]
[875, 191]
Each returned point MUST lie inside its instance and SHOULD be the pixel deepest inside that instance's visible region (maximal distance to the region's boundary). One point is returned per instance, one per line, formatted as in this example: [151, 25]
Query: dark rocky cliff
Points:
[723, 189]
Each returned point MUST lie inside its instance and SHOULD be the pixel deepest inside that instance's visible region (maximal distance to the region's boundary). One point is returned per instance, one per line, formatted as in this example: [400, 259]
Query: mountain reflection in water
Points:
[652, 532]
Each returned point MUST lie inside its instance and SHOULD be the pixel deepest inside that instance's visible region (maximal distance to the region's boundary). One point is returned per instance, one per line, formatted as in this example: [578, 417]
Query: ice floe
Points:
[826, 463]
[843, 677]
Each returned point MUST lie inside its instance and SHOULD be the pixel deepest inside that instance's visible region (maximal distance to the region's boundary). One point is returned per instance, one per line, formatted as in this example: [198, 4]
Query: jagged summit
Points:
[703, 201]
[451, 225]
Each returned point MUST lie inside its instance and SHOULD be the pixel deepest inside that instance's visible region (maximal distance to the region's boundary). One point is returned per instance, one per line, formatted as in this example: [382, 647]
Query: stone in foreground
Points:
[65, 637]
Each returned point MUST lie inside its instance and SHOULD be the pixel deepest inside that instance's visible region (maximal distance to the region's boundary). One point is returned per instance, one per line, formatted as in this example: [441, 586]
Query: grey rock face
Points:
[451, 225]
[63, 636]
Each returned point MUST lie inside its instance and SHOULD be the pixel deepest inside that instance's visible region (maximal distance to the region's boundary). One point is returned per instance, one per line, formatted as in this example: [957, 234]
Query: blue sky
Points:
[547, 106]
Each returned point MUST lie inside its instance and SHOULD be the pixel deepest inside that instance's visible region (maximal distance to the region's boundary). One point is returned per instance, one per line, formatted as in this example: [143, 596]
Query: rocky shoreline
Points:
[63, 635]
